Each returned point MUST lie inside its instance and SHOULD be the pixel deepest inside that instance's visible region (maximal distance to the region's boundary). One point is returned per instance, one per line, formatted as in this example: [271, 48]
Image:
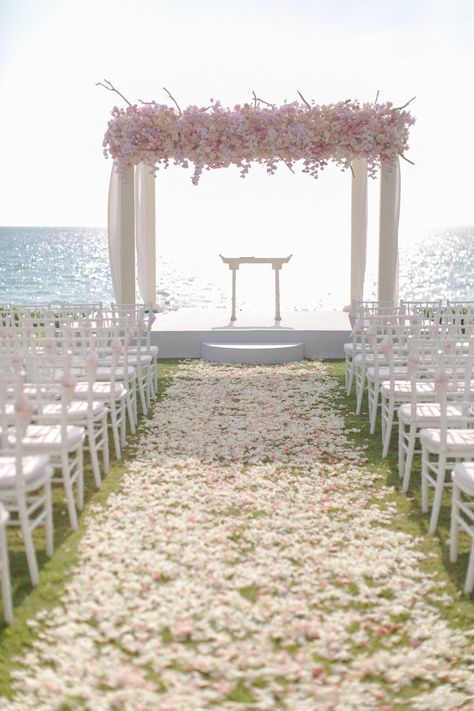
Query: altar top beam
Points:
[235, 262]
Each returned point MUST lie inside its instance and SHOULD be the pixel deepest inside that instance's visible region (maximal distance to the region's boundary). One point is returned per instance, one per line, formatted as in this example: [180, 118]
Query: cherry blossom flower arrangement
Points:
[258, 132]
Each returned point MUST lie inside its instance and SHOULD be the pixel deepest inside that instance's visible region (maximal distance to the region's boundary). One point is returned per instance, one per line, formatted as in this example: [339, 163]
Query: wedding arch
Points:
[142, 138]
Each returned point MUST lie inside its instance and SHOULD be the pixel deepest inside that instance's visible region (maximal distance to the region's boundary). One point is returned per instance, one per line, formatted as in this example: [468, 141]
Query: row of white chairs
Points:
[416, 361]
[67, 376]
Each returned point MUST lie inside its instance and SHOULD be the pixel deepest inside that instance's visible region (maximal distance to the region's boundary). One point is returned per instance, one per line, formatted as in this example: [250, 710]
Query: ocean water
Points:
[51, 264]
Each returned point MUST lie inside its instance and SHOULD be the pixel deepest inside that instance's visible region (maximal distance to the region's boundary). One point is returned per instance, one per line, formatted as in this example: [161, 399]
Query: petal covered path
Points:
[247, 563]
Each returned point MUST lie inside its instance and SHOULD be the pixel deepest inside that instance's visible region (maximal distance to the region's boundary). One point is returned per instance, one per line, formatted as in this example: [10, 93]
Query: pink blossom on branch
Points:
[156, 134]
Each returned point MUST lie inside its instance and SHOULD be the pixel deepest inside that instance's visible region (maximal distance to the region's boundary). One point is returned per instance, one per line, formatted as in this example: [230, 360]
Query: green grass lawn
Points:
[28, 601]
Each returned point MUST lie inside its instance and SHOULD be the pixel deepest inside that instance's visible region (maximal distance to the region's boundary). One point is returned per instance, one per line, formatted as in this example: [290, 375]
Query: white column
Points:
[358, 228]
[121, 233]
[145, 232]
[276, 269]
[233, 316]
[388, 236]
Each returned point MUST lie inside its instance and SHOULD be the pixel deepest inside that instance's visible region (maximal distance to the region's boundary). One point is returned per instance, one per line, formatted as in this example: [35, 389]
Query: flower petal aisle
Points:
[246, 562]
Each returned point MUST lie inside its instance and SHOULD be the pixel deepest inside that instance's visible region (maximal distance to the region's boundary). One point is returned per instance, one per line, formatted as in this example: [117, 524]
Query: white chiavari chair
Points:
[25, 480]
[462, 515]
[440, 447]
[5, 568]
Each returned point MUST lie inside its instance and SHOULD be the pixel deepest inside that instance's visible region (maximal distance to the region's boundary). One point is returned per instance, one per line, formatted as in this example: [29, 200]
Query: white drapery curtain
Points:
[358, 228]
[145, 232]
[121, 235]
[388, 236]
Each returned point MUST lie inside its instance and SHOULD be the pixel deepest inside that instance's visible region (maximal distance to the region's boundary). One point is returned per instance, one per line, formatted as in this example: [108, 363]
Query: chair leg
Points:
[80, 478]
[115, 428]
[6, 583]
[148, 387]
[388, 428]
[350, 379]
[123, 423]
[374, 407]
[28, 541]
[49, 520]
[401, 449]
[469, 584]
[68, 488]
[131, 415]
[424, 481]
[105, 451]
[454, 533]
[437, 497]
[141, 390]
[360, 383]
[409, 457]
[93, 452]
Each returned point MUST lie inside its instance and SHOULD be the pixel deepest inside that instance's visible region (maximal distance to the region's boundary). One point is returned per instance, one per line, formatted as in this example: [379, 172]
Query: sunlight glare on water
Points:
[40, 264]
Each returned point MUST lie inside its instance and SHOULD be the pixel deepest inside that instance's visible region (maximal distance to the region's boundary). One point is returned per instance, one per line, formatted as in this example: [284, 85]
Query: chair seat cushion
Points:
[33, 467]
[77, 409]
[463, 476]
[384, 372]
[104, 372]
[101, 390]
[427, 414]
[459, 440]
[48, 437]
[349, 348]
[153, 350]
[403, 387]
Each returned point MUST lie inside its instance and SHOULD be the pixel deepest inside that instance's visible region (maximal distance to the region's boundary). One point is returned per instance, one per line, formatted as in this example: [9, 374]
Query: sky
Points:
[53, 117]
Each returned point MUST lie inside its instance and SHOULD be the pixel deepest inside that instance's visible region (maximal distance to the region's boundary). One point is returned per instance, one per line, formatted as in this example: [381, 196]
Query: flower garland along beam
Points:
[216, 137]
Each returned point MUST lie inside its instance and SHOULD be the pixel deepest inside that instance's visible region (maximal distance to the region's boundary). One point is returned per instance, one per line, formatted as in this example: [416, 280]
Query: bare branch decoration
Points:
[286, 163]
[399, 108]
[303, 99]
[377, 96]
[407, 159]
[173, 100]
[267, 103]
[110, 87]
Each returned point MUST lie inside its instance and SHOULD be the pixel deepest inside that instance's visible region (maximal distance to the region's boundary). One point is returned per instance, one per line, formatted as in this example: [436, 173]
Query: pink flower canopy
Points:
[216, 137]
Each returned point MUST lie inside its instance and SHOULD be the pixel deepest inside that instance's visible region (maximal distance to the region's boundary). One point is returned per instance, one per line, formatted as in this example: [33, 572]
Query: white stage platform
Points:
[180, 334]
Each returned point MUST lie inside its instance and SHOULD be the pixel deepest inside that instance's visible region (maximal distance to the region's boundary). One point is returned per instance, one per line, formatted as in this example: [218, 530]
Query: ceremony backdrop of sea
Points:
[58, 264]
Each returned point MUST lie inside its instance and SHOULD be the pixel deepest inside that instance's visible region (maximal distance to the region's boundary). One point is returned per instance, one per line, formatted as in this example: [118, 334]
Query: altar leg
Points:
[234, 280]
[277, 294]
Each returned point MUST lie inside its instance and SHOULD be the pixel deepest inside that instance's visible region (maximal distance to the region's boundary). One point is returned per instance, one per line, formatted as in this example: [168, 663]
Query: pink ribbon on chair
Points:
[358, 325]
[68, 383]
[372, 336]
[50, 347]
[412, 364]
[387, 347]
[152, 319]
[441, 381]
[23, 412]
[92, 361]
[17, 361]
[116, 347]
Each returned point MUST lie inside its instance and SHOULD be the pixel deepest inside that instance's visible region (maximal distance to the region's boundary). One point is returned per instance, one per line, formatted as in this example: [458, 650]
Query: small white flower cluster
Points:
[247, 562]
